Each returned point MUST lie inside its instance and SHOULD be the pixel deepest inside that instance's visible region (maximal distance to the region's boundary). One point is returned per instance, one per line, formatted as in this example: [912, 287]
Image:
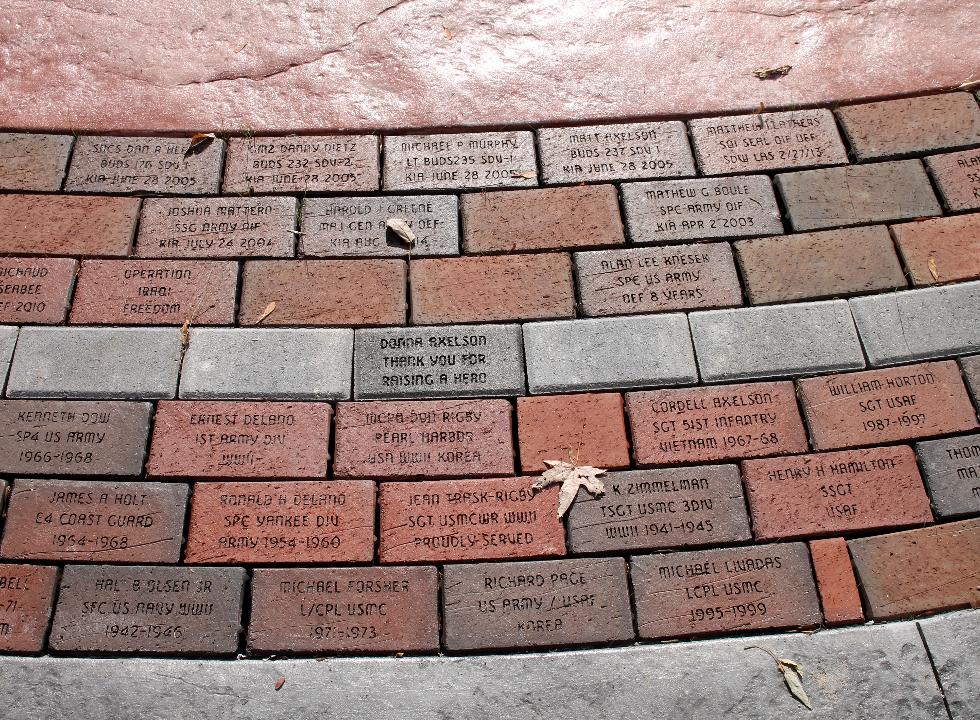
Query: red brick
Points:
[882, 406]
[586, 429]
[833, 493]
[919, 571]
[290, 522]
[324, 292]
[35, 290]
[541, 219]
[30, 161]
[424, 439]
[155, 292]
[66, 225]
[345, 610]
[952, 243]
[723, 422]
[958, 178]
[461, 520]
[26, 599]
[488, 289]
[839, 596]
[240, 439]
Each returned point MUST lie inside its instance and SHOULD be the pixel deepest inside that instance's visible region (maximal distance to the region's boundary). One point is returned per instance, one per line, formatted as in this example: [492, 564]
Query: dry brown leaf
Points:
[269, 309]
[185, 334]
[199, 143]
[773, 73]
[792, 673]
[401, 229]
[933, 269]
[761, 109]
[968, 85]
[528, 174]
[571, 477]
[447, 33]
[279, 683]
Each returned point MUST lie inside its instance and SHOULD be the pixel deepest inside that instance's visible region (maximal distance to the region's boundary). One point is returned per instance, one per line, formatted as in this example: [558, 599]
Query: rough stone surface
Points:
[35, 290]
[951, 243]
[65, 225]
[8, 339]
[958, 177]
[950, 639]
[952, 473]
[840, 599]
[26, 600]
[32, 161]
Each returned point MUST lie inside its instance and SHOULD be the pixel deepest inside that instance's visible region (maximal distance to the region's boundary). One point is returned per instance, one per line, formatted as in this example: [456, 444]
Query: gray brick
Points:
[951, 469]
[433, 362]
[8, 338]
[971, 371]
[268, 364]
[622, 352]
[953, 640]
[932, 322]
[775, 341]
[89, 362]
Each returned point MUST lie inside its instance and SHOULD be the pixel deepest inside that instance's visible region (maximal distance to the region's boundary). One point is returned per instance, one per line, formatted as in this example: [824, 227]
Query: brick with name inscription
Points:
[423, 439]
[724, 422]
[551, 603]
[958, 178]
[839, 595]
[93, 521]
[461, 520]
[219, 227]
[835, 493]
[155, 292]
[26, 600]
[140, 609]
[67, 225]
[345, 610]
[240, 439]
[144, 165]
[704, 592]
[32, 161]
[73, 437]
[35, 290]
[292, 522]
[951, 244]
[952, 472]
[669, 211]
[655, 509]
[881, 406]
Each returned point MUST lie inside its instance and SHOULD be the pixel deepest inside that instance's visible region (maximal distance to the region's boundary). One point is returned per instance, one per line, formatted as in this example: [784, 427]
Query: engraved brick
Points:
[35, 290]
[881, 406]
[65, 225]
[839, 596]
[8, 339]
[707, 424]
[971, 372]
[492, 289]
[240, 439]
[92, 521]
[217, 227]
[459, 161]
[835, 493]
[553, 603]
[294, 164]
[424, 439]
[356, 226]
[689, 594]
[462, 520]
[951, 243]
[811, 266]
[155, 292]
[345, 610]
[73, 437]
[952, 473]
[145, 165]
[655, 509]
[958, 178]
[919, 571]
[30, 161]
[767, 141]
[657, 279]
[291, 522]
[673, 210]
[323, 292]
[26, 600]
[132, 609]
[857, 195]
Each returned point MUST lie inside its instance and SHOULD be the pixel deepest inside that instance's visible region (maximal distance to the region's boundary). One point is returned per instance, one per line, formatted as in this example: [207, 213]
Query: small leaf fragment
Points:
[571, 477]
[792, 673]
[279, 683]
[447, 33]
[185, 334]
[761, 109]
[199, 143]
[933, 268]
[402, 229]
[527, 174]
[773, 73]
[269, 309]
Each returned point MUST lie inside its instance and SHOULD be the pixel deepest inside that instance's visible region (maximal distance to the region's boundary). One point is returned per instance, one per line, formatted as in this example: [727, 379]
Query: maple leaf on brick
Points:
[571, 477]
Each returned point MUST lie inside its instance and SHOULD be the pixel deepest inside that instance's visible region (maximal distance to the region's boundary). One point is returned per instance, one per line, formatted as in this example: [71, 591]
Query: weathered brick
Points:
[323, 292]
[291, 522]
[882, 406]
[810, 266]
[240, 439]
[344, 610]
[132, 609]
[424, 439]
[919, 571]
[958, 178]
[839, 596]
[657, 279]
[551, 603]
[897, 128]
[92, 521]
[26, 599]
[706, 424]
[688, 594]
[65, 225]
[31, 161]
[492, 289]
[462, 520]
[971, 372]
[35, 290]
[655, 509]
[952, 472]
[835, 493]
[3, 496]
[857, 194]
[952, 244]
[586, 429]
[155, 292]
[8, 339]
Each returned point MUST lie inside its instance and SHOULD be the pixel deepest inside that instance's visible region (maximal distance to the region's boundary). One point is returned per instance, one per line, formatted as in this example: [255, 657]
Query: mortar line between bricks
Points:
[935, 670]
